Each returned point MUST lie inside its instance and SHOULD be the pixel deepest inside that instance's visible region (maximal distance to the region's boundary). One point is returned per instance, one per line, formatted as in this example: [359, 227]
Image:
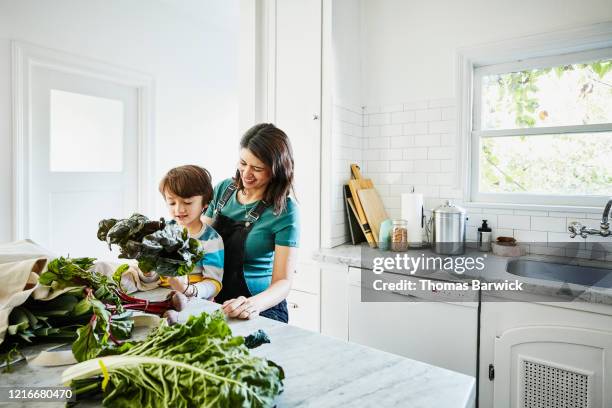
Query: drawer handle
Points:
[293, 305]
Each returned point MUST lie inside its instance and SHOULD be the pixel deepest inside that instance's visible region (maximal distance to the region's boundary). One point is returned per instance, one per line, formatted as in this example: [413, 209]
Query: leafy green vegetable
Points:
[158, 246]
[256, 339]
[93, 338]
[198, 363]
[64, 272]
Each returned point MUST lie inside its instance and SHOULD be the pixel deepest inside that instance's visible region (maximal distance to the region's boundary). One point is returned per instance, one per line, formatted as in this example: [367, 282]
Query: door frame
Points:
[25, 57]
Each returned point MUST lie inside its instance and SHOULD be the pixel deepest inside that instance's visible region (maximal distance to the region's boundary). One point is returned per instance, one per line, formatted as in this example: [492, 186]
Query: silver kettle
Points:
[449, 225]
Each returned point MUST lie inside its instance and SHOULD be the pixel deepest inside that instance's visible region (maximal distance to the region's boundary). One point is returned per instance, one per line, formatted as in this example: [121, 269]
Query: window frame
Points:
[571, 46]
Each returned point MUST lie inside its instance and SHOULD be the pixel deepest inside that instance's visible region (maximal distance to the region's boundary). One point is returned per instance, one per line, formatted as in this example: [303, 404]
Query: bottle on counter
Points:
[399, 235]
[384, 238]
[484, 237]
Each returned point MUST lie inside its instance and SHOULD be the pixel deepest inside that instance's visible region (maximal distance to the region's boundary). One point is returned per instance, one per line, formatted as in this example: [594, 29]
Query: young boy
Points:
[187, 191]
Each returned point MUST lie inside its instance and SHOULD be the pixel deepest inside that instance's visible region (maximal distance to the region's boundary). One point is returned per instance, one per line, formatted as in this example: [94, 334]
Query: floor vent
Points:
[546, 386]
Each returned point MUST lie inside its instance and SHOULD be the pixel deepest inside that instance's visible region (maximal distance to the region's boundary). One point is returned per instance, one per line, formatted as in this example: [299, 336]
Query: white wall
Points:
[409, 123]
[410, 44]
[189, 47]
[347, 95]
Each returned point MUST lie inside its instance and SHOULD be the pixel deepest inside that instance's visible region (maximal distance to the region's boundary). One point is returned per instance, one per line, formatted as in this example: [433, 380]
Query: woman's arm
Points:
[285, 260]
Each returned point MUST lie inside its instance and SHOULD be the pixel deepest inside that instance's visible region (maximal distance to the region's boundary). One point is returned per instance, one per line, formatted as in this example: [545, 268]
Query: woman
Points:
[259, 224]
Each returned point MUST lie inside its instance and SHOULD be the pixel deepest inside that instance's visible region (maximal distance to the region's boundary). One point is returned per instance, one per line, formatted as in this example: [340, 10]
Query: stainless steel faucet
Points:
[576, 228]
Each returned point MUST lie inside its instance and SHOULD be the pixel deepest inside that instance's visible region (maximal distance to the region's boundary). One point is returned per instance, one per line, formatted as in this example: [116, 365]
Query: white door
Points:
[298, 106]
[84, 160]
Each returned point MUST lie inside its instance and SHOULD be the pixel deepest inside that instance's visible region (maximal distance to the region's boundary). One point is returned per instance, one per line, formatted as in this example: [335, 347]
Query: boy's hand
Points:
[178, 283]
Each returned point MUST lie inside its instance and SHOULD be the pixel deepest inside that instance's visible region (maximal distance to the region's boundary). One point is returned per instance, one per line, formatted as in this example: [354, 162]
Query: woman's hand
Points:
[241, 308]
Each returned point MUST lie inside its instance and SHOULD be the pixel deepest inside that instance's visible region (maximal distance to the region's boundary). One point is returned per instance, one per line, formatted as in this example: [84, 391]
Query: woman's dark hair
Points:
[271, 145]
[188, 181]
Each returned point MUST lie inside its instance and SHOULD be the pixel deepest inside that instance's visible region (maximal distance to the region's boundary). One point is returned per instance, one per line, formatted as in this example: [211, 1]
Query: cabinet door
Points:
[303, 310]
[297, 105]
[438, 333]
[553, 366]
[334, 301]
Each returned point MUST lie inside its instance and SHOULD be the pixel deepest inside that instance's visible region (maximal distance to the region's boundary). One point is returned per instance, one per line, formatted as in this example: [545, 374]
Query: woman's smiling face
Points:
[254, 173]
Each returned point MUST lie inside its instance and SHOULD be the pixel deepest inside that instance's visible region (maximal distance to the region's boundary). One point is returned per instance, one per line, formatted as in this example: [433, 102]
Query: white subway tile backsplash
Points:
[371, 131]
[529, 236]
[375, 166]
[402, 141]
[427, 165]
[552, 224]
[402, 117]
[535, 213]
[379, 119]
[443, 126]
[442, 102]
[449, 192]
[391, 130]
[502, 232]
[449, 113]
[428, 115]
[415, 153]
[521, 222]
[440, 179]
[401, 166]
[441, 153]
[427, 140]
[378, 143]
[414, 179]
[417, 128]
[566, 214]
[413, 145]
[448, 139]
[392, 108]
[447, 165]
[391, 154]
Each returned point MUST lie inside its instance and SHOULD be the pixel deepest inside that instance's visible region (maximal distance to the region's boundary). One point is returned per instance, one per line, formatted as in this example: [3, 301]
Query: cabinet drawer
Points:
[303, 310]
[306, 278]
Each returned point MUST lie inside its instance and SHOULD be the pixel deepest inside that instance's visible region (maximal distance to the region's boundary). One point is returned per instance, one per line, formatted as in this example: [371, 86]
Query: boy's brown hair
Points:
[188, 181]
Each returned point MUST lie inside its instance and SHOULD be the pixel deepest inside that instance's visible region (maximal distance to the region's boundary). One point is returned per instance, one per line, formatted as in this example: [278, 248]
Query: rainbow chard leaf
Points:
[198, 363]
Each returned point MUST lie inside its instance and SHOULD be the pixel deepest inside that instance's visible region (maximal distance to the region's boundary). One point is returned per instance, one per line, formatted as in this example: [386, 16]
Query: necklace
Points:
[244, 205]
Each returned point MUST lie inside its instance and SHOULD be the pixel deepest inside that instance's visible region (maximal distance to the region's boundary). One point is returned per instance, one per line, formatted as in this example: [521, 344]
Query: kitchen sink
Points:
[581, 275]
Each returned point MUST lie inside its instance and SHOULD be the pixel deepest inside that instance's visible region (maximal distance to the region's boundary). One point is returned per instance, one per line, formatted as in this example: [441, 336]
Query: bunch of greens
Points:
[75, 316]
[198, 363]
[66, 272]
[165, 248]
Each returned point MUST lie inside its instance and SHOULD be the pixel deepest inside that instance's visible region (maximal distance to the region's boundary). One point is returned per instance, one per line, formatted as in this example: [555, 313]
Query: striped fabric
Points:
[211, 266]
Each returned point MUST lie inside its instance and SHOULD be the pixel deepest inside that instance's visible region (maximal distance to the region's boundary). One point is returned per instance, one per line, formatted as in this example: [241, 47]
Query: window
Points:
[86, 133]
[542, 130]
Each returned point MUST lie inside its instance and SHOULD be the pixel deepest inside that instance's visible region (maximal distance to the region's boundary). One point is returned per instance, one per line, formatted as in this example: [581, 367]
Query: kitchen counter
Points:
[320, 371]
[536, 290]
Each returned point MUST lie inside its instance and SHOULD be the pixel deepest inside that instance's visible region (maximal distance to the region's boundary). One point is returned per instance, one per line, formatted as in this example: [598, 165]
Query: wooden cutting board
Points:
[355, 184]
[373, 208]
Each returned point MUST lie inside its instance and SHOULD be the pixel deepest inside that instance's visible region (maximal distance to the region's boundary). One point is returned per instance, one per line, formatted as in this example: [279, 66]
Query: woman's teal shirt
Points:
[269, 230]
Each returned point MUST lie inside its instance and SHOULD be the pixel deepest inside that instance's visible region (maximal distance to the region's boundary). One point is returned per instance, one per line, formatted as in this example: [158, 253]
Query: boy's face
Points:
[185, 211]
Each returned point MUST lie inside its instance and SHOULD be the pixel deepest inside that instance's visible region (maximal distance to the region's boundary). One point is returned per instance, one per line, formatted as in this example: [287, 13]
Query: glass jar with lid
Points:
[399, 235]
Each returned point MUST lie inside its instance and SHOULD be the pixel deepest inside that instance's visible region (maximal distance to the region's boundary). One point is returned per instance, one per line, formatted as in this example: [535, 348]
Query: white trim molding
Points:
[538, 47]
[25, 56]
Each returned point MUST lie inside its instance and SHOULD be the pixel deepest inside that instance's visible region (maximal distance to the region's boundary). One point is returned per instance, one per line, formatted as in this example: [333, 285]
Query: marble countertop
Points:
[320, 371]
[537, 290]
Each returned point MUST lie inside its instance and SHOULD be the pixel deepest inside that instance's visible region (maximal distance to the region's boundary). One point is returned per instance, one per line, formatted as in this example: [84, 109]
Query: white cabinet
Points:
[438, 333]
[288, 94]
[545, 355]
[303, 310]
[334, 301]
